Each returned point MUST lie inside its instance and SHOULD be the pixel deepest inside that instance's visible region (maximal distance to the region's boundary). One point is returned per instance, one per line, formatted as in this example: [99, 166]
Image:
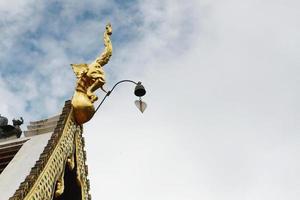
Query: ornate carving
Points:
[46, 178]
[60, 185]
[9, 130]
[90, 77]
[71, 162]
[81, 167]
[52, 175]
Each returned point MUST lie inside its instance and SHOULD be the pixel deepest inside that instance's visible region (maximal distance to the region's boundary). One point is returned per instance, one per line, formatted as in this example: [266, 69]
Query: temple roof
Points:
[18, 156]
[24, 161]
[42, 126]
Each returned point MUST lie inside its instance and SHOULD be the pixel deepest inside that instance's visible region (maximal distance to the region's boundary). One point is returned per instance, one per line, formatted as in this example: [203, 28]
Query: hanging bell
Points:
[139, 90]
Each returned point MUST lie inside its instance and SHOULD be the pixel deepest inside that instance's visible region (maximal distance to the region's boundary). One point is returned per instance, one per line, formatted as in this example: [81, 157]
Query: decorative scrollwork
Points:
[67, 153]
[81, 167]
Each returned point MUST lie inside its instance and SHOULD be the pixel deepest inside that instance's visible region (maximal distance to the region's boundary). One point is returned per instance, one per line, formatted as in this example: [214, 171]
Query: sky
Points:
[222, 81]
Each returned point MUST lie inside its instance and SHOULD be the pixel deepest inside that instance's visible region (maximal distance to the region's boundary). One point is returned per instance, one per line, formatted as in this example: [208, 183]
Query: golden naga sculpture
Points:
[90, 77]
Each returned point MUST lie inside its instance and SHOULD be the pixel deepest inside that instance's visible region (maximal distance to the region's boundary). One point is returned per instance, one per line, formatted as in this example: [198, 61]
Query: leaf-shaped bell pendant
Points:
[141, 105]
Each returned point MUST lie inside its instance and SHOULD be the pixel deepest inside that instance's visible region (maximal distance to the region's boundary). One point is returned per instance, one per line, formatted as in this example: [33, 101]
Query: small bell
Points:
[141, 105]
[139, 90]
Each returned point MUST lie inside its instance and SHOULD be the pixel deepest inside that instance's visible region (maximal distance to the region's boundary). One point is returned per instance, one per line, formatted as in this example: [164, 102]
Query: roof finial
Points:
[9, 130]
[90, 77]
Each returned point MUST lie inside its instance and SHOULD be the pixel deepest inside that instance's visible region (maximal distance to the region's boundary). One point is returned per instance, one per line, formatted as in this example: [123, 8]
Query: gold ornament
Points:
[90, 77]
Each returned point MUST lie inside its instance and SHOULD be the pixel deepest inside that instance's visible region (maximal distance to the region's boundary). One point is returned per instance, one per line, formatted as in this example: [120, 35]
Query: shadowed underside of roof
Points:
[8, 151]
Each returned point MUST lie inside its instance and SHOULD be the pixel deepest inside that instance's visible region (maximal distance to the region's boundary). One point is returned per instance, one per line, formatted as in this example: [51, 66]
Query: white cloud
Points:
[222, 114]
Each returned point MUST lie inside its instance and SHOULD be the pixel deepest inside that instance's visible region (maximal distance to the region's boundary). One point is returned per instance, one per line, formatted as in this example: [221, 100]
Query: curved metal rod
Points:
[109, 92]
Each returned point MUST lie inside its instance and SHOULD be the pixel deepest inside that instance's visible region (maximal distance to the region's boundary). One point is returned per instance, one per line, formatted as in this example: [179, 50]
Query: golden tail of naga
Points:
[107, 53]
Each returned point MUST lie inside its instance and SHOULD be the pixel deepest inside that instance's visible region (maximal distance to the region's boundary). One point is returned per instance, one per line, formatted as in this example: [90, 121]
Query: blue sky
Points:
[222, 80]
[36, 33]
